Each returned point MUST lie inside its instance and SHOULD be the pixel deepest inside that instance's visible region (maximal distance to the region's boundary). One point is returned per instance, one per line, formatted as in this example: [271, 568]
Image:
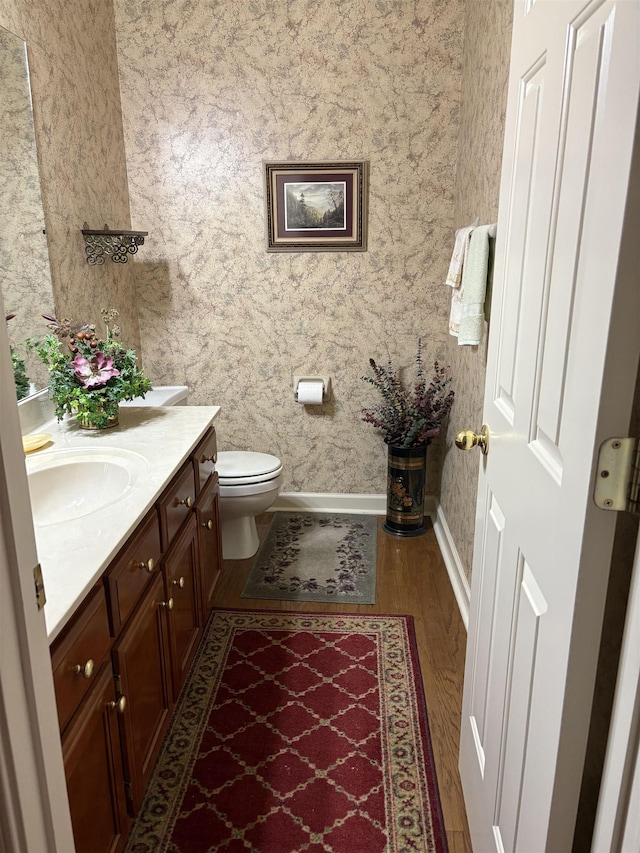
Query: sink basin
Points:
[72, 483]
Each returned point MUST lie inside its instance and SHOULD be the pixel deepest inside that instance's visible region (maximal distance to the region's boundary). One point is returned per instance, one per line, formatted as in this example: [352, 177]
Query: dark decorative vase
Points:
[405, 490]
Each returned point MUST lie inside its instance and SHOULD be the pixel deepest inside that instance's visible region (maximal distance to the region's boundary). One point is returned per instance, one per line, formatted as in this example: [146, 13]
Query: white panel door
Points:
[563, 351]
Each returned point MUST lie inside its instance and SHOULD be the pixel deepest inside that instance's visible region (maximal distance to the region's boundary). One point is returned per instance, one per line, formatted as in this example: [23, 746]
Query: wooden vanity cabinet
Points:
[120, 663]
[180, 566]
[93, 769]
[141, 670]
[209, 543]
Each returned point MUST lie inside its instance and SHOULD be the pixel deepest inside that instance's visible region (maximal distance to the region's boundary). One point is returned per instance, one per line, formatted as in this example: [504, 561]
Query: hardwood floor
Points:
[411, 579]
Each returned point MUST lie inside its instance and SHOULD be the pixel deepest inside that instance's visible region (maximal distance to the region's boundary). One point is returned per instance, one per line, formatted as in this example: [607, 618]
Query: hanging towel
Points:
[474, 282]
[454, 276]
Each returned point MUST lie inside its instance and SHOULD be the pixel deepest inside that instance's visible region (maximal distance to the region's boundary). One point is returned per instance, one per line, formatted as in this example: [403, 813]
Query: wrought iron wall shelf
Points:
[118, 244]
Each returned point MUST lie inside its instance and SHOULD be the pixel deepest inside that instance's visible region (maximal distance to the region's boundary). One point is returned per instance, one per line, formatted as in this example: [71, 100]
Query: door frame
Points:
[34, 809]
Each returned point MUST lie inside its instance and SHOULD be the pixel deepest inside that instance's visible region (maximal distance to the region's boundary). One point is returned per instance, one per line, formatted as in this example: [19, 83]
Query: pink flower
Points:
[95, 372]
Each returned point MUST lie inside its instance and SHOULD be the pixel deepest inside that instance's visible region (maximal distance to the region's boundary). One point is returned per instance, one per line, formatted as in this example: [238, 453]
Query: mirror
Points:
[25, 275]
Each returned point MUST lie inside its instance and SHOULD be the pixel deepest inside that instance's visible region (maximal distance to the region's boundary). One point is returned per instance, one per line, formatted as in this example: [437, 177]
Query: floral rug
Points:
[316, 557]
[297, 733]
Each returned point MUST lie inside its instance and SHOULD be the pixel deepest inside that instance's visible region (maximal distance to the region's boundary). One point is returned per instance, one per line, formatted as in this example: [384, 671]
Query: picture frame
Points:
[316, 207]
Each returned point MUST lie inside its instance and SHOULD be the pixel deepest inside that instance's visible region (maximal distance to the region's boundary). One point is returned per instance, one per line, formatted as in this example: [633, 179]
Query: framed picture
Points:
[316, 207]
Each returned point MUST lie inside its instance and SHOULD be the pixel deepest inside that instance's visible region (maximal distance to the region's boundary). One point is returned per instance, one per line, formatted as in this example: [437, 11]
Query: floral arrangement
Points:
[88, 376]
[409, 416]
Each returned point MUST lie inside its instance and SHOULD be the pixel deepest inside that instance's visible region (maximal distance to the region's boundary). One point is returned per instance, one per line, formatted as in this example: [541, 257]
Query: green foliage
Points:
[94, 399]
[20, 375]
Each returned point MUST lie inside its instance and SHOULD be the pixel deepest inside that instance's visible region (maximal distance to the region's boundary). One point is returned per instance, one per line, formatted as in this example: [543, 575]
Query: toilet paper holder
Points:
[326, 385]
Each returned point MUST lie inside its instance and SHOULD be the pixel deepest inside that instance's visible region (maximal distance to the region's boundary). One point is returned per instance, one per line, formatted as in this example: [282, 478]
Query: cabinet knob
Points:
[208, 524]
[120, 705]
[86, 671]
[179, 582]
[188, 502]
[212, 459]
[167, 604]
[149, 565]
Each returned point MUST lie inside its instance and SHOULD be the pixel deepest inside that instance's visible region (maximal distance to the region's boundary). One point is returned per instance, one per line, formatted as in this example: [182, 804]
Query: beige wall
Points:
[484, 95]
[76, 100]
[209, 91]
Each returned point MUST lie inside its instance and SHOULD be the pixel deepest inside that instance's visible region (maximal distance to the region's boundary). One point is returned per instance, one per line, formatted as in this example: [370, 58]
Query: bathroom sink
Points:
[72, 483]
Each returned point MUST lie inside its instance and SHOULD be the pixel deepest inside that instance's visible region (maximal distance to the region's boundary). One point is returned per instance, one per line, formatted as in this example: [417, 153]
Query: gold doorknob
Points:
[149, 565]
[167, 604]
[179, 583]
[208, 524]
[188, 502]
[467, 438]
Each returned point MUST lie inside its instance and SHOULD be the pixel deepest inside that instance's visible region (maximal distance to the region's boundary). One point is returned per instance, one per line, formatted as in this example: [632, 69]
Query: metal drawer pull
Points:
[167, 604]
[149, 565]
[86, 671]
[213, 459]
[120, 705]
[184, 502]
[208, 524]
[179, 583]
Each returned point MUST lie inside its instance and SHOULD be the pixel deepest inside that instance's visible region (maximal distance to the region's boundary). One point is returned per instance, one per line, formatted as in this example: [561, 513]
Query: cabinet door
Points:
[181, 574]
[140, 662]
[93, 768]
[209, 543]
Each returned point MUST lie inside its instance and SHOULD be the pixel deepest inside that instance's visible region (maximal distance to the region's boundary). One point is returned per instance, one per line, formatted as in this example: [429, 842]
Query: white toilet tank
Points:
[161, 395]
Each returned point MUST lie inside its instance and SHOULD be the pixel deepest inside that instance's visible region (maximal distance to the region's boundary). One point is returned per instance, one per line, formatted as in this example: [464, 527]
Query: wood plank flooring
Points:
[411, 580]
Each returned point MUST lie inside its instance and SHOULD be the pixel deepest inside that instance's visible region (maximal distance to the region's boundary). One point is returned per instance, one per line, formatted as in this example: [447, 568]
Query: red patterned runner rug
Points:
[297, 733]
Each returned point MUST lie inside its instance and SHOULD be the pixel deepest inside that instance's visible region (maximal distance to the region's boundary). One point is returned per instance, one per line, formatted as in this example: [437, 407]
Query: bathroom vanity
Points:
[129, 589]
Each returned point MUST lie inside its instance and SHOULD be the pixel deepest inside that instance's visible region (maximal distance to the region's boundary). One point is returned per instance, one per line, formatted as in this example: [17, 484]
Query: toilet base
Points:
[240, 538]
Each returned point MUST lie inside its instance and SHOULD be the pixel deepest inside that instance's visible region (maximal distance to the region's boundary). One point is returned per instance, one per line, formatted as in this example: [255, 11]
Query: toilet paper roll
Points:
[310, 392]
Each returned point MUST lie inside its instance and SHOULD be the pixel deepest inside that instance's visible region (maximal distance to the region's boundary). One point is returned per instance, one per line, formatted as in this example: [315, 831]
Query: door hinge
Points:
[128, 791]
[118, 684]
[617, 484]
[41, 598]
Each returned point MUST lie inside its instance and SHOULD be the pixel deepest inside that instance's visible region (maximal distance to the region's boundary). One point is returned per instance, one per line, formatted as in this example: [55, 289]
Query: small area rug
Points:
[316, 557]
[297, 733]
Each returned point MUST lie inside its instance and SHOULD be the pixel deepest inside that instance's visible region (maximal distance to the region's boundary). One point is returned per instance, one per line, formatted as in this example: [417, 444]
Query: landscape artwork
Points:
[314, 206]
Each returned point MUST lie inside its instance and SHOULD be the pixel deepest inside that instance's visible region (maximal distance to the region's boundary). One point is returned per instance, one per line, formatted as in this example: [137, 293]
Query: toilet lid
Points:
[236, 467]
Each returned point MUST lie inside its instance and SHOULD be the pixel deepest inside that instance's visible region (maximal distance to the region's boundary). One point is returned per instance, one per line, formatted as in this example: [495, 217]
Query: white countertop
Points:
[73, 554]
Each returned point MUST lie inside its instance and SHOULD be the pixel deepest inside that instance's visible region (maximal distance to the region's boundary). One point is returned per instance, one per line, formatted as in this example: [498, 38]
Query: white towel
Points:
[454, 276]
[474, 282]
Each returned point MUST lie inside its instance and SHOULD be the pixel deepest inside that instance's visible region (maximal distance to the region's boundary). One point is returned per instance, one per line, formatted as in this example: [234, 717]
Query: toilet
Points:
[250, 482]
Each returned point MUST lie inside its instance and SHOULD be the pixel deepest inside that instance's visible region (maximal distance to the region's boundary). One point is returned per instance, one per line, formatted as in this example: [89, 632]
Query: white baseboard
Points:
[327, 502]
[455, 569]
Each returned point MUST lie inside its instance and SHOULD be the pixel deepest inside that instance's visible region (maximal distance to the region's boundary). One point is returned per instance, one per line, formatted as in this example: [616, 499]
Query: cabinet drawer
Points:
[77, 655]
[209, 544]
[204, 459]
[130, 571]
[175, 504]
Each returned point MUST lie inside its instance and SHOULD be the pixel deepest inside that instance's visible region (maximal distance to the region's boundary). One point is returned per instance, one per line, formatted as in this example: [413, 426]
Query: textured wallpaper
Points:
[209, 91]
[484, 99]
[76, 102]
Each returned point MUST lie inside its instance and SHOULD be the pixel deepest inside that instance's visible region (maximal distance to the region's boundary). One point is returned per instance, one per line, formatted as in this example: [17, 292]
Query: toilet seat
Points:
[246, 467]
